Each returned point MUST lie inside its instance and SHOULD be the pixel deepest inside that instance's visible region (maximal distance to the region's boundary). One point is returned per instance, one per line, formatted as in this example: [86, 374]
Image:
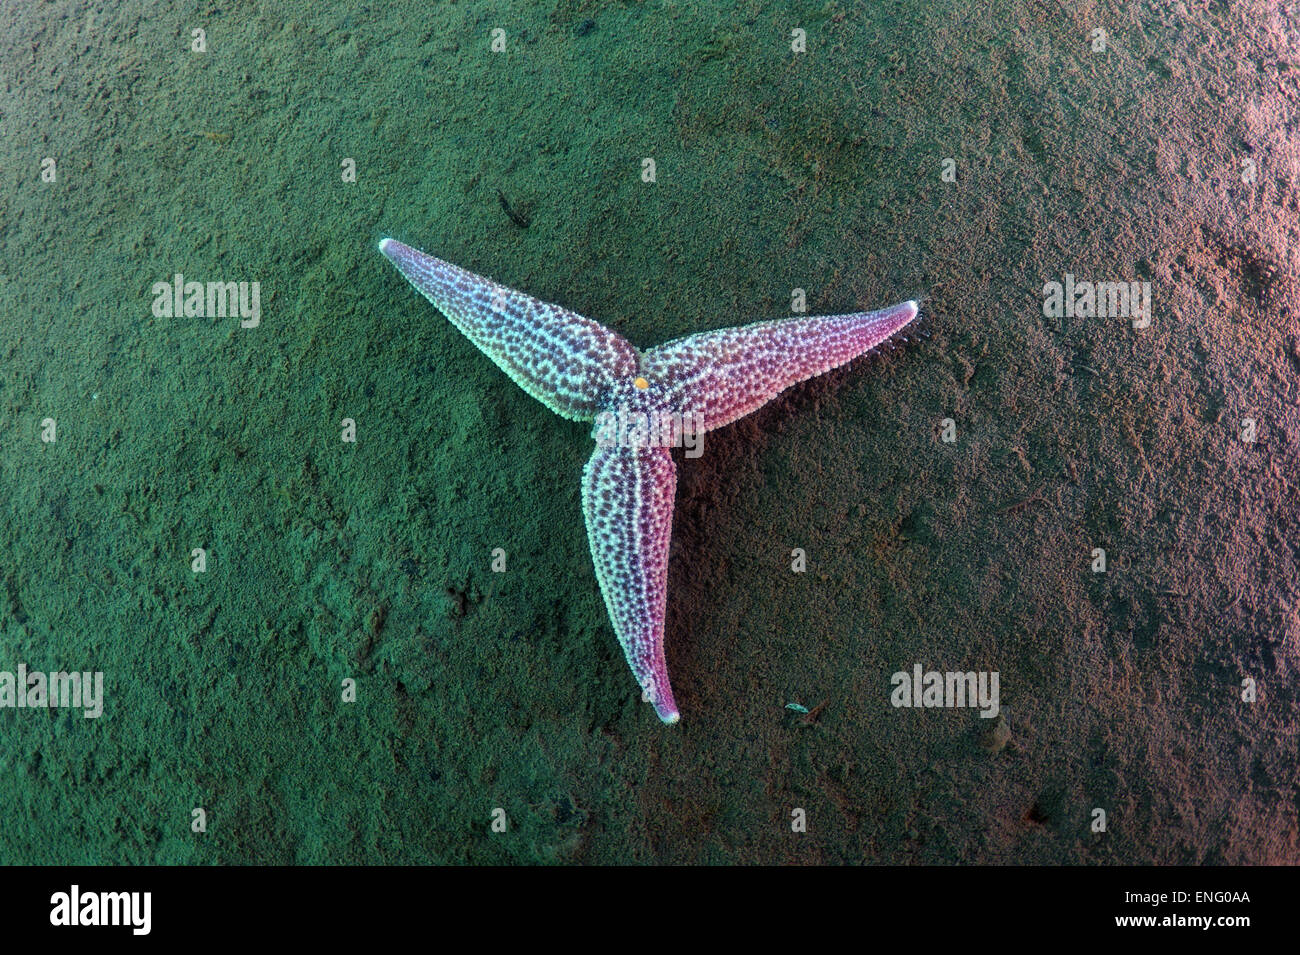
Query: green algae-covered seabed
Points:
[180, 512]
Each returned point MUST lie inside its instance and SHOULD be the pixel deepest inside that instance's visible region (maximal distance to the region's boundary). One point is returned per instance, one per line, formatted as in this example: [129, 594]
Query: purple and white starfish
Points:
[583, 371]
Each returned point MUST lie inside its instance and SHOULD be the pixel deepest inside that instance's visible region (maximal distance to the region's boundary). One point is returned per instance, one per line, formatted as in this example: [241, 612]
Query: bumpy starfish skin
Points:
[580, 369]
[627, 499]
[730, 372]
[563, 360]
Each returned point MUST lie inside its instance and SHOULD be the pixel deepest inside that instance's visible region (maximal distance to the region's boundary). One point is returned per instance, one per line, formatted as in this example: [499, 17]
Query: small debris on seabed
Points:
[809, 716]
[517, 218]
[997, 736]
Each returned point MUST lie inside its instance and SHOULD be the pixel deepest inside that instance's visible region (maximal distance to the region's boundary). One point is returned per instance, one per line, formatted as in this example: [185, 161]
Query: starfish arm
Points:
[627, 499]
[723, 375]
[565, 361]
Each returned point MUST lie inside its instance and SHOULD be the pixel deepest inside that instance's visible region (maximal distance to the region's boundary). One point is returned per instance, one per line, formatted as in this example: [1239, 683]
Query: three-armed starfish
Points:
[584, 372]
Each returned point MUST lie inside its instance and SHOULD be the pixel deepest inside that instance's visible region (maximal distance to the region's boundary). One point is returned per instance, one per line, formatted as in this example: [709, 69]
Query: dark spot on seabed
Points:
[1036, 814]
[585, 27]
[15, 602]
[459, 601]
[1049, 806]
[375, 623]
[463, 598]
[569, 813]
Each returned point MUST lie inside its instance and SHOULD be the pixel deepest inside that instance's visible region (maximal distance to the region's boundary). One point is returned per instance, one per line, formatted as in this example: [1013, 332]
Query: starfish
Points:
[584, 371]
